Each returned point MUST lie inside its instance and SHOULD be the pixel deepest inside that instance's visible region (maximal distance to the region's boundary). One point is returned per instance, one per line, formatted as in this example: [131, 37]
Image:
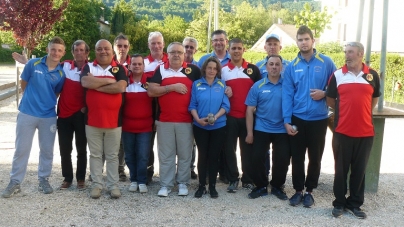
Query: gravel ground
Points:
[75, 208]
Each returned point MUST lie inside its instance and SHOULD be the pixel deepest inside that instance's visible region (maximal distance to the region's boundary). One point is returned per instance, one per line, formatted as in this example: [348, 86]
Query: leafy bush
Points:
[394, 66]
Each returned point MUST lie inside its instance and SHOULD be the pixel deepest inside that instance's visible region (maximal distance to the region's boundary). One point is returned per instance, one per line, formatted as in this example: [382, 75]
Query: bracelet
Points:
[166, 89]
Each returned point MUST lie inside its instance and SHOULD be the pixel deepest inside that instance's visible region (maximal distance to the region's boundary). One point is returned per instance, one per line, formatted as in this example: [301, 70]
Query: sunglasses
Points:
[189, 47]
[120, 46]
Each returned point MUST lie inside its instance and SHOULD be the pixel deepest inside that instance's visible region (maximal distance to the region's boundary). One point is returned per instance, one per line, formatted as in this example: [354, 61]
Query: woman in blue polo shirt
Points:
[208, 106]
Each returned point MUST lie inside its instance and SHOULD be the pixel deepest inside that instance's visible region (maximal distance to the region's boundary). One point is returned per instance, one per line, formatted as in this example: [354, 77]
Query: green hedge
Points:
[394, 69]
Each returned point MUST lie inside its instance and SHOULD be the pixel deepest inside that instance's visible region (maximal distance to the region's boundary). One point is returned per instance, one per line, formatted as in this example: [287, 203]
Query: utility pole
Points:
[216, 25]
[209, 26]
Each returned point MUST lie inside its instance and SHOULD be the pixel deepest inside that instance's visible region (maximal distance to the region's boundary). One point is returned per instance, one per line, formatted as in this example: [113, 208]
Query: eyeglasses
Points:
[124, 46]
[176, 52]
[189, 47]
[218, 40]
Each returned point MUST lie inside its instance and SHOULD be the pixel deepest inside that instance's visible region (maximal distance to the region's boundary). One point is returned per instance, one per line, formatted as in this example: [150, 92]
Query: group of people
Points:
[120, 105]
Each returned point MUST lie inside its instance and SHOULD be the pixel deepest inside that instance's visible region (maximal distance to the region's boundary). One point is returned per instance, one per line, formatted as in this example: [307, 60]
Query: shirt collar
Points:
[167, 65]
[243, 65]
[113, 63]
[365, 69]
[164, 59]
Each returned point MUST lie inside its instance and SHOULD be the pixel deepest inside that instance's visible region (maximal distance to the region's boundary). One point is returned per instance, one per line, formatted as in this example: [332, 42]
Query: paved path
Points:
[7, 74]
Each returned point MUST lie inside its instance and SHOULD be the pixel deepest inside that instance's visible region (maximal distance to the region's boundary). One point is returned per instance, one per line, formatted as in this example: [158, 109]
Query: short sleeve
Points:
[332, 87]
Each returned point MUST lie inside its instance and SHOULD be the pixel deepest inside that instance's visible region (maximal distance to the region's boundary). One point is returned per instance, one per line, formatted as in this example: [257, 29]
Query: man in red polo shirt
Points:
[172, 83]
[353, 91]
[155, 42]
[105, 81]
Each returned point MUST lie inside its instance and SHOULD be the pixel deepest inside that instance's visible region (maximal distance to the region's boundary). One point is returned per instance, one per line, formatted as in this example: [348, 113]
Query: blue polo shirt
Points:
[39, 98]
[263, 69]
[194, 62]
[207, 99]
[267, 98]
[224, 61]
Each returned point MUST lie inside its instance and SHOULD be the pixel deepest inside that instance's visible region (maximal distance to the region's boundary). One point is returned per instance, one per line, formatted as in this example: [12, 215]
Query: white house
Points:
[344, 23]
[286, 32]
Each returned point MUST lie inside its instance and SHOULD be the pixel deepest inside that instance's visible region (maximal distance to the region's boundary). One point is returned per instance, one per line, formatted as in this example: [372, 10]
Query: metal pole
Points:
[360, 21]
[216, 25]
[383, 53]
[370, 31]
[209, 26]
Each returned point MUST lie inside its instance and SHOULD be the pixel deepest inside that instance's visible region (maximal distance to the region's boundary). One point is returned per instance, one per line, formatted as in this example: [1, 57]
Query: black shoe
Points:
[280, 193]
[212, 191]
[193, 175]
[223, 179]
[232, 186]
[296, 199]
[122, 177]
[337, 211]
[200, 192]
[258, 192]
[357, 212]
[247, 186]
[308, 200]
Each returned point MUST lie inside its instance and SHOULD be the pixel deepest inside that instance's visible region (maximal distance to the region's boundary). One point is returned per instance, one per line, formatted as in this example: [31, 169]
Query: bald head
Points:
[103, 52]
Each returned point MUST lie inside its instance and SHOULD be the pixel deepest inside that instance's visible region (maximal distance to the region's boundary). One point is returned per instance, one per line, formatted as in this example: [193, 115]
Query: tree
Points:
[29, 20]
[316, 21]
[79, 22]
[122, 14]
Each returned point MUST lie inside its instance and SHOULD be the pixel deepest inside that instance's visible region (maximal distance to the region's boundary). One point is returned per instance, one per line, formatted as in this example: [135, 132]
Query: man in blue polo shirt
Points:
[219, 44]
[265, 98]
[272, 47]
[41, 82]
[304, 105]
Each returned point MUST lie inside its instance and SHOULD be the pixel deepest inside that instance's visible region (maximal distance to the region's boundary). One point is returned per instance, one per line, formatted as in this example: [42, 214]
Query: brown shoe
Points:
[122, 177]
[81, 184]
[65, 185]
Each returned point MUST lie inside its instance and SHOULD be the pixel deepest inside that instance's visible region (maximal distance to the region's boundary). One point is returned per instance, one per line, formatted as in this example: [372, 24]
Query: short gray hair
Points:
[172, 44]
[191, 40]
[356, 44]
[155, 34]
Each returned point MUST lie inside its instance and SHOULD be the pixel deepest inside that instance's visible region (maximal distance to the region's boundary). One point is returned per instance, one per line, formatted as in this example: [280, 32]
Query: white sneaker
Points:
[142, 188]
[182, 189]
[133, 187]
[163, 192]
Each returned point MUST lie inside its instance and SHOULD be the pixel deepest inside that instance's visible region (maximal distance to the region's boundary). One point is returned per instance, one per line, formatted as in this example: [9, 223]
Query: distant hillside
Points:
[158, 9]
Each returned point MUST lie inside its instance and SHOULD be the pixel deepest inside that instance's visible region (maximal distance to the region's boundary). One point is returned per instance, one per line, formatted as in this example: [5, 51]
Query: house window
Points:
[344, 39]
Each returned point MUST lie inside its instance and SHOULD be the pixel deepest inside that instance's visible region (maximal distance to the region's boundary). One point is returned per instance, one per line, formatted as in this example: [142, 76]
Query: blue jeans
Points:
[137, 150]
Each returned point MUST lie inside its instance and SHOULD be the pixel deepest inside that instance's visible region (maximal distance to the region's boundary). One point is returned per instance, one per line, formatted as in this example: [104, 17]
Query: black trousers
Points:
[209, 144]
[67, 127]
[150, 164]
[236, 130]
[310, 136]
[350, 152]
[280, 158]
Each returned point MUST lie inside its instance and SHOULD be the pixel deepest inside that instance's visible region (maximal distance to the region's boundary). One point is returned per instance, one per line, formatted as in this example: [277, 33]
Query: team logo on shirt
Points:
[249, 71]
[145, 85]
[188, 70]
[115, 69]
[369, 77]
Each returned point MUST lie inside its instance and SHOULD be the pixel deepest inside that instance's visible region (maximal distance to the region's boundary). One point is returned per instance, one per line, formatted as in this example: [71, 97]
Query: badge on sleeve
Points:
[369, 77]
[249, 71]
[145, 85]
[115, 69]
[188, 70]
